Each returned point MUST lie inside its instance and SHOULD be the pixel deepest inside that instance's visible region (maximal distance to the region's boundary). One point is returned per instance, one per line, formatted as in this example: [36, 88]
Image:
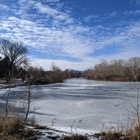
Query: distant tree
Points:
[5, 68]
[57, 75]
[67, 73]
[101, 70]
[55, 68]
[134, 67]
[89, 73]
[116, 70]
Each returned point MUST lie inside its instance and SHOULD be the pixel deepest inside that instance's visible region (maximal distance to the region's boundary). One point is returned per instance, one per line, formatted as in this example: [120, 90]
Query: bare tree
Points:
[55, 68]
[58, 75]
[101, 70]
[67, 73]
[14, 55]
[134, 67]
[14, 52]
[117, 70]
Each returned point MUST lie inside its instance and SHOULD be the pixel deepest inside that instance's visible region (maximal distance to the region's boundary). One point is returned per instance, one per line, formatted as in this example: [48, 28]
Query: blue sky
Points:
[73, 34]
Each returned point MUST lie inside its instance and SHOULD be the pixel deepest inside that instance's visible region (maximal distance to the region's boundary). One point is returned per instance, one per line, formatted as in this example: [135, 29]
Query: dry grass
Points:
[133, 134]
[128, 134]
[109, 136]
[13, 129]
[10, 126]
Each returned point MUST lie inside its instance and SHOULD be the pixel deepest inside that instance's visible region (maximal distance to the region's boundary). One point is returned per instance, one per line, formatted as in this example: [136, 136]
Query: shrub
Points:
[10, 126]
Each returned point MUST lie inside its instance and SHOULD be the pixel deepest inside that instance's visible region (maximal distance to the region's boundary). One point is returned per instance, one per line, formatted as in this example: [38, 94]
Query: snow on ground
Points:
[79, 105]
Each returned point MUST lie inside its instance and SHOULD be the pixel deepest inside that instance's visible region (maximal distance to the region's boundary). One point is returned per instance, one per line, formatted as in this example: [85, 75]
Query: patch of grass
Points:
[14, 129]
[109, 136]
[10, 126]
[133, 134]
[128, 134]
[40, 127]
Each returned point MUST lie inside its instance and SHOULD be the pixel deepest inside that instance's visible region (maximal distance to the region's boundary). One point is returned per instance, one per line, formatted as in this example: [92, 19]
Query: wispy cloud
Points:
[137, 1]
[4, 7]
[113, 14]
[98, 18]
[132, 12]
[51, 1]
[91, 17]
[47, 38]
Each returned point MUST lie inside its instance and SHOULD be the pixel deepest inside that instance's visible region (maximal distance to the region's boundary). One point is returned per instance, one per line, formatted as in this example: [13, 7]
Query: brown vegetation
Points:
[14, 129]
[55, 75]
[116, 70]
[128, 134]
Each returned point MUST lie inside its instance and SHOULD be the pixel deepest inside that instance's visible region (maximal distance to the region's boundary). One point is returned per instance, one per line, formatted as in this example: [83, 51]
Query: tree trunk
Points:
[29, 101]
[7, 101]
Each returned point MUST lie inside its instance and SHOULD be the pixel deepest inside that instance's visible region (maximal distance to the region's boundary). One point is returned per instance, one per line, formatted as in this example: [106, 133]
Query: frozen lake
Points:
[83, 104]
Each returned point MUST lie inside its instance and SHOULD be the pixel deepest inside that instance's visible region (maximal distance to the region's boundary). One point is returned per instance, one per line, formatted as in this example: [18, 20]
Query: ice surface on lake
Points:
[82, 104]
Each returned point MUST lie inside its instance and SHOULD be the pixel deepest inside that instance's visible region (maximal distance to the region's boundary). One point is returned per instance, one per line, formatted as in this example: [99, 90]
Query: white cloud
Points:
[98, 18]
[52, 1]
[137, 12]
[45, 9]
[91, 17]
[4, 7]
[23, 1]
[113, 14]
[87, 62]
[67, 41]
[63, 64]
[132, 12]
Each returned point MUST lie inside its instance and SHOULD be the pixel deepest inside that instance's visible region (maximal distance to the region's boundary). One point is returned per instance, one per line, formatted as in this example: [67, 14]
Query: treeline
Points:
[57, 75]
[52, 76]
[116, 70]
[37, 74]
[15, 65]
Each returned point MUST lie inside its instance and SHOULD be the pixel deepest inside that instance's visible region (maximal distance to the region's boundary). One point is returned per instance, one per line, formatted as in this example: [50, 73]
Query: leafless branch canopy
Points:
[14, 51]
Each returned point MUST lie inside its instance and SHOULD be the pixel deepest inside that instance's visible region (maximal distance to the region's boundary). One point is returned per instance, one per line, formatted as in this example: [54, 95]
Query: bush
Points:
[10, 126]
[13, 129]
